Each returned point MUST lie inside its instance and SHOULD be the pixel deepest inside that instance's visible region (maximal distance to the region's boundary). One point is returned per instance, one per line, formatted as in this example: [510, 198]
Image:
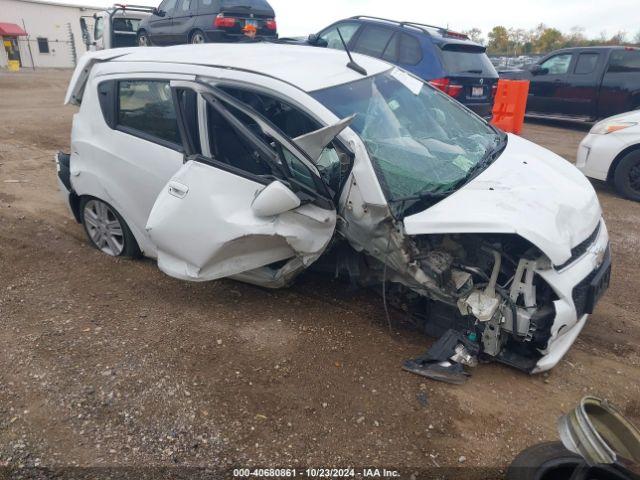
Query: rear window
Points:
[625, 61]
[257, 4]
[126, 24]
[467, 60]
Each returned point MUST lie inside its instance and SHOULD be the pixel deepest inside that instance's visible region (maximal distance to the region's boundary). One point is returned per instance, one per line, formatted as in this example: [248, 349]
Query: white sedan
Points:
[255, 161]
[611, 152]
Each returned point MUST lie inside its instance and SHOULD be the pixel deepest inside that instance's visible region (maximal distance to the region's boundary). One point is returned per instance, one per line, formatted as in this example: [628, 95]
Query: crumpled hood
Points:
[528, 191]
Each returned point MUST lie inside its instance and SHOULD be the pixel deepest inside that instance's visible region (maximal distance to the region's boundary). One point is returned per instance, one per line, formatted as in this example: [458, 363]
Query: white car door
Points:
[215, 218]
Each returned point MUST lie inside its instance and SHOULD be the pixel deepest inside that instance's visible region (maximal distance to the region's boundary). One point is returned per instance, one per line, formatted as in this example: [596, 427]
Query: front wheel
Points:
[106, 229]
[626, 177]
[197, 37]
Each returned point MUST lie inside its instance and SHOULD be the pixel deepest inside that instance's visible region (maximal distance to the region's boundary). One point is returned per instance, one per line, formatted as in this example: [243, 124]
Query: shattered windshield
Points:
[420, 141]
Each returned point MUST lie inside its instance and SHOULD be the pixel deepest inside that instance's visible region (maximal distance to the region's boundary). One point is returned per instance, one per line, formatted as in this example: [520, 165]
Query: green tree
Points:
[498, 40]
[618, 39]
[475, 34]
[550, 39]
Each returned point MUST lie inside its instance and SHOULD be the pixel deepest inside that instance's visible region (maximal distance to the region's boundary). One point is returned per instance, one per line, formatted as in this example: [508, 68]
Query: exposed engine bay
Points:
[483, 286]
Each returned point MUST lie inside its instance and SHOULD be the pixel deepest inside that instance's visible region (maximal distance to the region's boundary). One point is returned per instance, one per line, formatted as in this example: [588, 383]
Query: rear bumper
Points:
[221, 36]
[484, 110]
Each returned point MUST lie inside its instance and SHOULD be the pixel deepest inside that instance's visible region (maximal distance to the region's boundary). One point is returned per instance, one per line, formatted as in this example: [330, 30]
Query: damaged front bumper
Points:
[578, 286]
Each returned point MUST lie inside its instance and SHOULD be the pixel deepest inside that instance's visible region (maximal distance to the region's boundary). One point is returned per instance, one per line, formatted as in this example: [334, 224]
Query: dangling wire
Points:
[384, 285]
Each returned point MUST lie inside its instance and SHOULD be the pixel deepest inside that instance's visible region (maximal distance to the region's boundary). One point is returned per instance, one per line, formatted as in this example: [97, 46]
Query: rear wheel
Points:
[106, 229]
[626, 177]
[197, 36]
[143, 39]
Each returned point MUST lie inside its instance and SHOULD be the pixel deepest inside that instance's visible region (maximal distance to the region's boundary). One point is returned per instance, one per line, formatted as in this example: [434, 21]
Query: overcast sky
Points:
[298, 17]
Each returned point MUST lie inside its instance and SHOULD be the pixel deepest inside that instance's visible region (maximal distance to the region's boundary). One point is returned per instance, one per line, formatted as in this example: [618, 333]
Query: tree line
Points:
[542, 39]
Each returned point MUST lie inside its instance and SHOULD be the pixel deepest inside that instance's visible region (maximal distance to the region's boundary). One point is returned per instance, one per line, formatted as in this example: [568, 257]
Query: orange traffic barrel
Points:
[510, 105]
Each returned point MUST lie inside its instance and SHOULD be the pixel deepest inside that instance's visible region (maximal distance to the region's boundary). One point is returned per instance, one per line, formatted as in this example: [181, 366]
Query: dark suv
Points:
[200, 21]
[446, 59]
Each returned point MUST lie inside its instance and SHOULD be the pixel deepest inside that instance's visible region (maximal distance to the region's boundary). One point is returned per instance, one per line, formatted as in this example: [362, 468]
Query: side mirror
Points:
[157, 12]
[538, 70]
[274, 199]
[315, 40]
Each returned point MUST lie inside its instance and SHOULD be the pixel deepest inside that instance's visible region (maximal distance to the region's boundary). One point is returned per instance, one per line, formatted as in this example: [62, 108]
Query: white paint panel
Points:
[212, 231]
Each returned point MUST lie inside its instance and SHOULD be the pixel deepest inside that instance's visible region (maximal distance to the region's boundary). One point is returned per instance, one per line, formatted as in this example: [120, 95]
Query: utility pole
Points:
[33, 65]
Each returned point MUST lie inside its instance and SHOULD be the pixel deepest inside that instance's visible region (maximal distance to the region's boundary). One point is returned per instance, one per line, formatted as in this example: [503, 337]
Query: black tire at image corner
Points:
[130, 248]
[629, 165]
[544, 461]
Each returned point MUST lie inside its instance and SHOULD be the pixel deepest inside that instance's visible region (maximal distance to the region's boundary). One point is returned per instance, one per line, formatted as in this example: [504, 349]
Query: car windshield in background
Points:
[126, 24]
[465, 59]
[420, 141]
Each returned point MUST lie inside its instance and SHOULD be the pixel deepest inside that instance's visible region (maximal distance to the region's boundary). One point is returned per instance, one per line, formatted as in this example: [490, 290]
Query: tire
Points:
[197, 37]
[626, 177]
[106, 229]
[545, 461]
[143, 39]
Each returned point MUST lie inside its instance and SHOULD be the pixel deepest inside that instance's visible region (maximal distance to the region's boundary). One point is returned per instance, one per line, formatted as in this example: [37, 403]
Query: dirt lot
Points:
[110, 362]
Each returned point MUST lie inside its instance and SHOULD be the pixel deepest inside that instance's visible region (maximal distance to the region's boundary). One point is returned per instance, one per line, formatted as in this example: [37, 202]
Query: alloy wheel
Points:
[197, 37]
[103, 227]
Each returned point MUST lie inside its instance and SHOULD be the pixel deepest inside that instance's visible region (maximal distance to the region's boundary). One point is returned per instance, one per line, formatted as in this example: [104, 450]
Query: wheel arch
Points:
[618, 159]
[193, 30]
[140, 238]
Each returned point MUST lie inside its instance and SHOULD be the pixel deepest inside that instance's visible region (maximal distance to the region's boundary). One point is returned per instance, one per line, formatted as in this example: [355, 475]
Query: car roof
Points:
[305, 67]
[438, 35]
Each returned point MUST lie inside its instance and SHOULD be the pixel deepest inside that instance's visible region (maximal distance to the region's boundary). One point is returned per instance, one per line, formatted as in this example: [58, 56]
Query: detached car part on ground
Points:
[233, 161]
[597, 443]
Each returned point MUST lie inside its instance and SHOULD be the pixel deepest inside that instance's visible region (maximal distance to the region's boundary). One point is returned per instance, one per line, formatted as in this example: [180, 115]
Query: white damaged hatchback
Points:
[255, 161]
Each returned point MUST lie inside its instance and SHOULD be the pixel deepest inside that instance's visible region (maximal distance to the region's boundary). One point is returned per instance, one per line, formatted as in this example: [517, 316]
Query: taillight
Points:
[446, 86]
[224, 22]
[271, 24]
[494, 89]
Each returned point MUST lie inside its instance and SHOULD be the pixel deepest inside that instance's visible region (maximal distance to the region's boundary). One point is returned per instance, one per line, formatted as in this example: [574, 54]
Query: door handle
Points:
[178, 190]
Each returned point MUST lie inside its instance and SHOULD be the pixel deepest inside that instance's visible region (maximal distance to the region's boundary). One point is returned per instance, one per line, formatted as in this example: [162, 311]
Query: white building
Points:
[41, 34]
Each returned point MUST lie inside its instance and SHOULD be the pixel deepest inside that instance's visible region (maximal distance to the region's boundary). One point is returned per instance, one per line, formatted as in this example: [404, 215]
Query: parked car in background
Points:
[202, 21]
[115, 27]
[611, 152]
[583, 84]
[448, 60]
[226, 161]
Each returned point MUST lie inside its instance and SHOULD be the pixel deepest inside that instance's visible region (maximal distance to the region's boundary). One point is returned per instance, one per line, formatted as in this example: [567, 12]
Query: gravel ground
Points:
[107, 362]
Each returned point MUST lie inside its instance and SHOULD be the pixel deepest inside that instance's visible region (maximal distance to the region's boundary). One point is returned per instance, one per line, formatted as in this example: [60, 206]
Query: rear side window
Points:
[410, 51]
[624, 61]
[586, 63]
[467, 60]
[145, 108]
[373, 41]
